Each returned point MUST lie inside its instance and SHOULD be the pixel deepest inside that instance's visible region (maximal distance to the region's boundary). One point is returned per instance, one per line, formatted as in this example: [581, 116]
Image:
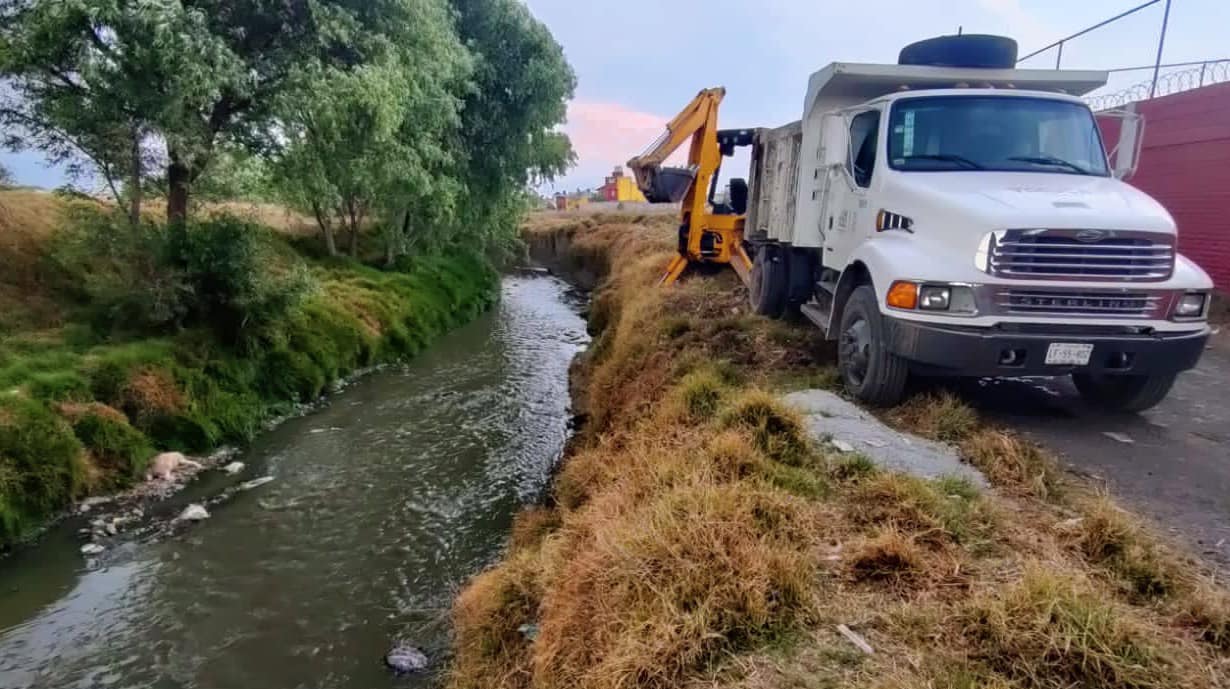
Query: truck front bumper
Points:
[1022, 351]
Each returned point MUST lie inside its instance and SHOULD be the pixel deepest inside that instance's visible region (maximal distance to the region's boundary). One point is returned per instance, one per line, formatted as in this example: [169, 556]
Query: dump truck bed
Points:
[774, 182]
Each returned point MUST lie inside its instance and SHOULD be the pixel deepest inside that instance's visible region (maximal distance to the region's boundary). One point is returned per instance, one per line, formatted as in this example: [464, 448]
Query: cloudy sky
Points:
[639, 61]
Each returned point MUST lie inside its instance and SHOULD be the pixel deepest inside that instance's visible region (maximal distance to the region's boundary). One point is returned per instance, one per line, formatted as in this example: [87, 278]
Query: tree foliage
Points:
[427, 118]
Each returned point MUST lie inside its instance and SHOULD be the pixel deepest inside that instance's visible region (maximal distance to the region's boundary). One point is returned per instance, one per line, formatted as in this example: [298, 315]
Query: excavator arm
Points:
[706, 235]
[691, 124]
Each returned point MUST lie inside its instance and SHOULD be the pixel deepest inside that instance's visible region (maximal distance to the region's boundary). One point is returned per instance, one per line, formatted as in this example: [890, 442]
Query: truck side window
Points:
[864, 136]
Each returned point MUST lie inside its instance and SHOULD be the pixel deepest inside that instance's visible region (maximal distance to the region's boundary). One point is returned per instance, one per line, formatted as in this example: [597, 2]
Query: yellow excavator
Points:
[710, 233]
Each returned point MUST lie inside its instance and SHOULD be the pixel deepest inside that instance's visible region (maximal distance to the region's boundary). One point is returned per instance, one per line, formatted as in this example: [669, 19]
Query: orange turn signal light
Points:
[903, 295]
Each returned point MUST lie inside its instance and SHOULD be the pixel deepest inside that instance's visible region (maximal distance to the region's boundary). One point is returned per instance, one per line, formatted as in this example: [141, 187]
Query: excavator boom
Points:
[708, 234]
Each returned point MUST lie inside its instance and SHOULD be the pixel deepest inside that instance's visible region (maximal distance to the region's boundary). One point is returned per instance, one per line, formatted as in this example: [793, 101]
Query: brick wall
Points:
[1185, 165]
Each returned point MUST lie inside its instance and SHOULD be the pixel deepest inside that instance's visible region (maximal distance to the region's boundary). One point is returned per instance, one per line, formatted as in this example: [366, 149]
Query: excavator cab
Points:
[710, 233]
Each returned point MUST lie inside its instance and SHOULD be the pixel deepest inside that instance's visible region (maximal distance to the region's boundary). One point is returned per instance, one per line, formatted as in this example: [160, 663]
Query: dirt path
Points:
[1176, 467]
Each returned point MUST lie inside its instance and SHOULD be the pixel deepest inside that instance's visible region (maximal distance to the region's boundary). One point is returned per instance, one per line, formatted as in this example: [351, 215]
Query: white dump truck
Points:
[968, 221]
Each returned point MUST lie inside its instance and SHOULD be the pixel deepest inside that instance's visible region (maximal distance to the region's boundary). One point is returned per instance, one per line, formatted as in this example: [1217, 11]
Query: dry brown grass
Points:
[942, 416]
[151, 392]
[697, 537]
[76, 411]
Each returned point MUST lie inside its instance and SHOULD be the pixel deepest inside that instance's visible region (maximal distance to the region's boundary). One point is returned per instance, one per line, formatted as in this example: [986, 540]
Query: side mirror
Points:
[834, 142]
[1125, 157]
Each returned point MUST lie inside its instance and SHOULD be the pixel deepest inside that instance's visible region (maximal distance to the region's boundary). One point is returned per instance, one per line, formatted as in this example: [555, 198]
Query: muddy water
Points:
[383, 502]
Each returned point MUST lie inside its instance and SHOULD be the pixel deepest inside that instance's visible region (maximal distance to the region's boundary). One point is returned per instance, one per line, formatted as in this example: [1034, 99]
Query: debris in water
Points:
[255, 483]
[234, 468]
[194, 513]
[404, 659]
[1119, 438]
[90, 503]
[92, 549]
[855, 639]
[842, 446]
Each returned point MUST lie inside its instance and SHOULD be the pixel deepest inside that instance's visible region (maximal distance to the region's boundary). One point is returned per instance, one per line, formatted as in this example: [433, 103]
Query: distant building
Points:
[619, 187]
[569, 202]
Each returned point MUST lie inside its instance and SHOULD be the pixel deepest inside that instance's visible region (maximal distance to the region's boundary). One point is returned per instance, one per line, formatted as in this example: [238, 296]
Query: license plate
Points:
[1065, 354]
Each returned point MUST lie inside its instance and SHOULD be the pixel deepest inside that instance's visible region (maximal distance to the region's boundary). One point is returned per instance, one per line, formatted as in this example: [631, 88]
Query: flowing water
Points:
[383, 503]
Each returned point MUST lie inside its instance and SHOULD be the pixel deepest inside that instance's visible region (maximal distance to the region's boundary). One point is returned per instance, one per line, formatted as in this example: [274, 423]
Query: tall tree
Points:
[89, 75]
[510, 121]
[366, 143]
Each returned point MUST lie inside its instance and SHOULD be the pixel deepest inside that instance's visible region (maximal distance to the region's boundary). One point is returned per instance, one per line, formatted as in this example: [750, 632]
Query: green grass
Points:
[192, 393]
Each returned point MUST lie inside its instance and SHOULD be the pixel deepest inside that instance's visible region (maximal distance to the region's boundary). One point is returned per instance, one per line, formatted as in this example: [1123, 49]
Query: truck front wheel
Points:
[869, 371]
[1127, 394]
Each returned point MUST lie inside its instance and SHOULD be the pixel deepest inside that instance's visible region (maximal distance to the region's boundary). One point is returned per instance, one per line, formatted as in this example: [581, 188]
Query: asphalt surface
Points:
[1171, 464]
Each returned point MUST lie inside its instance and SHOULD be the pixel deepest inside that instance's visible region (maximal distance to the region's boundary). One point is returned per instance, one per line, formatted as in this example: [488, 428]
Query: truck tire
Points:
[1124, 394]
[801, 282]
[967, 50]
[770, 279]
[870, 372]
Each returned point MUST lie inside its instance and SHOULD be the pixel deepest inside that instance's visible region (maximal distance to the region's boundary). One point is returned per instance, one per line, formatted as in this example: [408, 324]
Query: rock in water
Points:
[233, 468]
[194, 513]
[92, 549]
[406, 659]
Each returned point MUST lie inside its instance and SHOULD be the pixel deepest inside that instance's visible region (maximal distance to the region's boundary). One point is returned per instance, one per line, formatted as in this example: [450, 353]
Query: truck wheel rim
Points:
[855, 350]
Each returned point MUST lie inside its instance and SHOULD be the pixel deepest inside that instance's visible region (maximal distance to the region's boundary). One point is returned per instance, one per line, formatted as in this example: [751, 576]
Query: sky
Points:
[638, 62]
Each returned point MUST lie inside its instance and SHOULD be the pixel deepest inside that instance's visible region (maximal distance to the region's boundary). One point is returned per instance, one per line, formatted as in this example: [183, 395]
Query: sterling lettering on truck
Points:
[965, 219]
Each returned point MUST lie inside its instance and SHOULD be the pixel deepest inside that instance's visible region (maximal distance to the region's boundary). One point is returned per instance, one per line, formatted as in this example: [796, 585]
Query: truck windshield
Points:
[1005, 133]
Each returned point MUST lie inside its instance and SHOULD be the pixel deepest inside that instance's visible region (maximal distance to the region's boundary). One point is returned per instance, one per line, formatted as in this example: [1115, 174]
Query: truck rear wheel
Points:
[770, 279]
[1126, 394]
[869, 371]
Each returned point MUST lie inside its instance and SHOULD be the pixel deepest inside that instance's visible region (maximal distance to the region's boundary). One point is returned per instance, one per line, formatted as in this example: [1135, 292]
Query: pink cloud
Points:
[608, 134]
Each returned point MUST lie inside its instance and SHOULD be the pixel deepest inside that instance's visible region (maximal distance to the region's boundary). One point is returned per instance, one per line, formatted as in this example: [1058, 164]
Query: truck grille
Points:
[1103, 304]
[1082, 255]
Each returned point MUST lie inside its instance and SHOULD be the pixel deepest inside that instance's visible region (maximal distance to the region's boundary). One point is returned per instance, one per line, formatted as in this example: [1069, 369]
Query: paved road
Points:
[1176, 469]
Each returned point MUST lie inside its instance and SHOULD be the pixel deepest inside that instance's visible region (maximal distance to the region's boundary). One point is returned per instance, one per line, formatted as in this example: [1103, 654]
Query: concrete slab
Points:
[845, 425]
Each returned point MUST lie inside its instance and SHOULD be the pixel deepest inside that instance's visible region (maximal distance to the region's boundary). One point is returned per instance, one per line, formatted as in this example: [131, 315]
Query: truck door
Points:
[849, 212]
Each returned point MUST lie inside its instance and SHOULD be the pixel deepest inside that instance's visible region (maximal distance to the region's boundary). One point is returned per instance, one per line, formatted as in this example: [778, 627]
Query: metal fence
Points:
[1194, 75]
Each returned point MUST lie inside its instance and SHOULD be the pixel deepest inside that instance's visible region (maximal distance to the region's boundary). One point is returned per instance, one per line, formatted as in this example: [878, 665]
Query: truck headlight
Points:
[1191, 305]
[934, 298]
[953, 299]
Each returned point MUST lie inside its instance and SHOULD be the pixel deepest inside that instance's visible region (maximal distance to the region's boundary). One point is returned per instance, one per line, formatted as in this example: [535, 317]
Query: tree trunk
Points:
[326, 229]
[134, 183]
[179, 180]
[353, 219]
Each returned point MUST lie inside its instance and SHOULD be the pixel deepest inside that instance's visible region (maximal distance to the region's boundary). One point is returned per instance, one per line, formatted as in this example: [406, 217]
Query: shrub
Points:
[221, 272]
[59, 386]
[1053, 632]
[236, 284]
[119, 449]
[777, 429]
[40, 465]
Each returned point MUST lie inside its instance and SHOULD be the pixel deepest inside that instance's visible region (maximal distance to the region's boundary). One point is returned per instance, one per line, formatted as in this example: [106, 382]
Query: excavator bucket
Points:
[670, 185]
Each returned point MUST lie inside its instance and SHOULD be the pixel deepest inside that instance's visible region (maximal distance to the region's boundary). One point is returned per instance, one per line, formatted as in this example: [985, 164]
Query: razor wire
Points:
[1205, 74]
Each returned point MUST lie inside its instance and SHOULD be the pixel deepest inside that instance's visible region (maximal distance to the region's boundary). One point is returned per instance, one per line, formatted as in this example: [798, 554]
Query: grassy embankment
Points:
[83, 408]
[696, 537]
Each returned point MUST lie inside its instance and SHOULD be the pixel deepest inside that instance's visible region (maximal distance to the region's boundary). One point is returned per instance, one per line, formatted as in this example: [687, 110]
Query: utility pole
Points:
[1161, 44]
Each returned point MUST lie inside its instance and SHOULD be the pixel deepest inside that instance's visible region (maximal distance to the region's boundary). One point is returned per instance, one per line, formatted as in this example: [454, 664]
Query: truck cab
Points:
[964, 221]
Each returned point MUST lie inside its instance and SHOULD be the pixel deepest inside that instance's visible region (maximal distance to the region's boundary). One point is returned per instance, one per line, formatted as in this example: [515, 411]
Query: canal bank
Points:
[149, 340]
[383, 501]
[699, 535]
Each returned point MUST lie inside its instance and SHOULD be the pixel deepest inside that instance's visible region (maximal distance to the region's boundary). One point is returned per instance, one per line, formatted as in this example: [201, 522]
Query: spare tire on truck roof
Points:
[966, 50]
